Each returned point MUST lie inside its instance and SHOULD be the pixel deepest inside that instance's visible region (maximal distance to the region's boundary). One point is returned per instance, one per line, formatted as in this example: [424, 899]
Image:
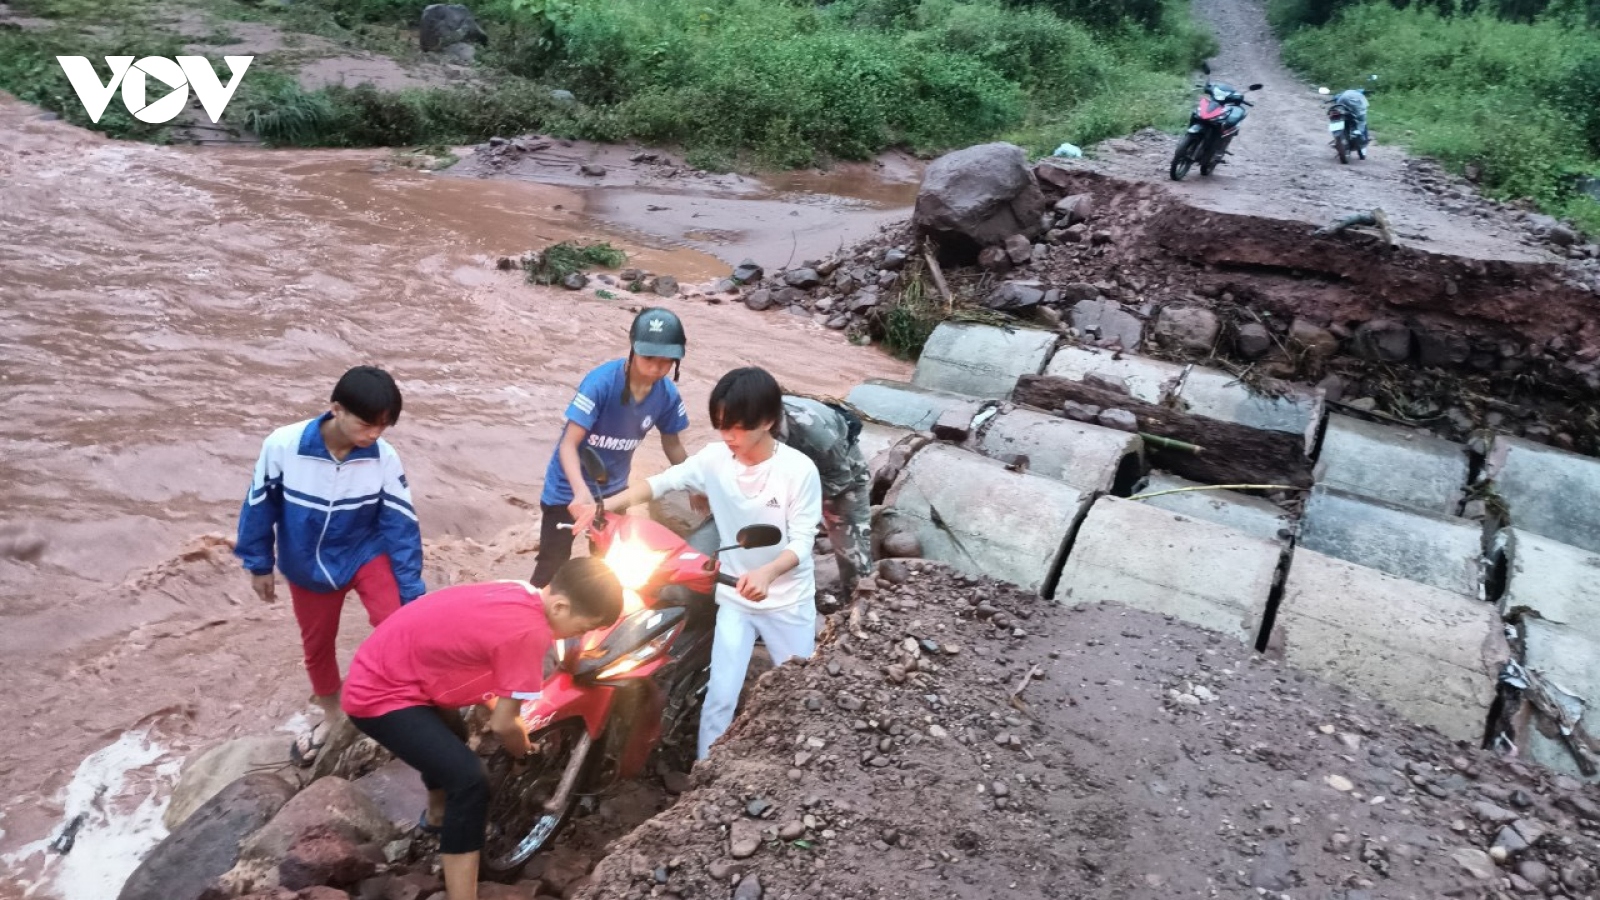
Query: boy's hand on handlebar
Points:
[753, 585]
[582, 509]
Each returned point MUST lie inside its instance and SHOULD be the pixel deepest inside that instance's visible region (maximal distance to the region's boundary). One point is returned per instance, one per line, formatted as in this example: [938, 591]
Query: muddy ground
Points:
[1144, 758]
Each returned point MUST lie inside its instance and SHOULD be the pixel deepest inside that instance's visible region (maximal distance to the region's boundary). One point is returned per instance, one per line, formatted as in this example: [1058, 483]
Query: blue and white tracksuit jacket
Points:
[331, 517]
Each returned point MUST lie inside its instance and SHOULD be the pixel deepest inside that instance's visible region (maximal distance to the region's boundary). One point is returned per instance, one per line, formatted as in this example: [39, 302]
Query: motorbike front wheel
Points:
[1184, 157]
[1341, 146]
[519, 824]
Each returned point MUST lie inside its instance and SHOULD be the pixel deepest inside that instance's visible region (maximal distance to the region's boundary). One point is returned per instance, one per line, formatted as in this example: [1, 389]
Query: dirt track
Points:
[1282, 167]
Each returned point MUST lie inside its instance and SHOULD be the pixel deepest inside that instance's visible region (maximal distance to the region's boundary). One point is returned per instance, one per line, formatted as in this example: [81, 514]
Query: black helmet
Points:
[658, 332]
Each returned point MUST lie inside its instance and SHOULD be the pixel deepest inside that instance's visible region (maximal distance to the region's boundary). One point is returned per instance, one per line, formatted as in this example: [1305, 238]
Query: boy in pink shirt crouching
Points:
[460, 646]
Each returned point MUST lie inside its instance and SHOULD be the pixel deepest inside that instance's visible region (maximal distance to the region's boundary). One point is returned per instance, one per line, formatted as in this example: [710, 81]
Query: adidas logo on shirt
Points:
[772, 503]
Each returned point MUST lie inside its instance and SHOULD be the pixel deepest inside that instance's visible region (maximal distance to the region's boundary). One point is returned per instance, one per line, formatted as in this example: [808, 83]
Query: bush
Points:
[276, 108]
[28, 70]
[560, 260]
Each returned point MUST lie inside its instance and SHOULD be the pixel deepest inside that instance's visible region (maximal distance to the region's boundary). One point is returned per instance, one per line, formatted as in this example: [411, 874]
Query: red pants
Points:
[318, 615]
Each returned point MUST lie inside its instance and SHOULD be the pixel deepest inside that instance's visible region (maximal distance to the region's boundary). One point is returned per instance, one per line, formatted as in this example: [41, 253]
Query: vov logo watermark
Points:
[176, 76]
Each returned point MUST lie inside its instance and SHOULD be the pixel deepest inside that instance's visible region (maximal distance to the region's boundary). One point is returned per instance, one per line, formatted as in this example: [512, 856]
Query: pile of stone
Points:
[246, 824]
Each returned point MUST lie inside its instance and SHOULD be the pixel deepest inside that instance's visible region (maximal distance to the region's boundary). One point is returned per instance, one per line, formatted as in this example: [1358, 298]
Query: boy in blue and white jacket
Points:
[329, 494]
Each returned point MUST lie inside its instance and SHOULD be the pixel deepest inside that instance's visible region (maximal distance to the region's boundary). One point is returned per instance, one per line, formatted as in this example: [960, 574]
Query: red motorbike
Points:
[1212, 127]
[615, 694]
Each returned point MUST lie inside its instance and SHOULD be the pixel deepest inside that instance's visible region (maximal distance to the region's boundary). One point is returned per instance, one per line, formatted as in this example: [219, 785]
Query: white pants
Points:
[787, 632]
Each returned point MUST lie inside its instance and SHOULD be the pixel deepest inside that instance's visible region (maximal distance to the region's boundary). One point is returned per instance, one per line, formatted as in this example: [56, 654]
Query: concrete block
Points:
[1551, 580]
[1220, 395]
[1440, 551]
[1431, 654]
[876, 439]
[1570, 659]
[1203, 392]
[1549, 590]
[1088, 457]
[981, 360]
[1548, 491]
[1397, 465]
[974, 513]
[1152, 559]
[907, 406]
[1243, 513]
[1149, 380]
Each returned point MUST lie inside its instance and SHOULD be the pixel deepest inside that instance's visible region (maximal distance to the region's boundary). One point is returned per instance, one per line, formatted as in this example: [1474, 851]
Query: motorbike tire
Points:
[518, 827]
[1183, 158]
[1341, 146]
[1208, 165]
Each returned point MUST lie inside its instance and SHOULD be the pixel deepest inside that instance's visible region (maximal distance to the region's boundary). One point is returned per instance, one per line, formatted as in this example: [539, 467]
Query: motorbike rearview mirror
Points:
[1254, 87]
[752, 536]
[1205, 67]
[594, 468]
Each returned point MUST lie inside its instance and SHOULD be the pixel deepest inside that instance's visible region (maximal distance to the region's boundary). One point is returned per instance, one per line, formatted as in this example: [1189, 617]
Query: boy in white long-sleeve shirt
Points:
[750, 479]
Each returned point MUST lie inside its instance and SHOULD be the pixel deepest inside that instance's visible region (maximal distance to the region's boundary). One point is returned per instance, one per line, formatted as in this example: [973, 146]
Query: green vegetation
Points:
[733, 82]
[28, 69]
[560, 260]
[1506, 86]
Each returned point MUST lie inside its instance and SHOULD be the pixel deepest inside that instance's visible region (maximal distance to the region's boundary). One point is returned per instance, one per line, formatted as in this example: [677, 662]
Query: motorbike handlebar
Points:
[729, 580]
[1247, 103]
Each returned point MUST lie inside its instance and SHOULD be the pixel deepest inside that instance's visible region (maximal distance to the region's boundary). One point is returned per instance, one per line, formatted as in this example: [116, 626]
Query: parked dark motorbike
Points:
[1212, 127]
[618, 693]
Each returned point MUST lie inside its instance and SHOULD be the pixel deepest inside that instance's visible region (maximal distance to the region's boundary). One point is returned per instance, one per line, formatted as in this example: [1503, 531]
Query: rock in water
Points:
[207, 844]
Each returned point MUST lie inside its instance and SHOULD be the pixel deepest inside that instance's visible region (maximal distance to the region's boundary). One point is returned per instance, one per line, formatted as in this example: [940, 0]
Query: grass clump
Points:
[1513, 96]
[560, 260]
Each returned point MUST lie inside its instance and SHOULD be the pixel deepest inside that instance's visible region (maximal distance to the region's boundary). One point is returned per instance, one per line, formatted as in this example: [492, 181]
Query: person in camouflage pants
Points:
[827, 435]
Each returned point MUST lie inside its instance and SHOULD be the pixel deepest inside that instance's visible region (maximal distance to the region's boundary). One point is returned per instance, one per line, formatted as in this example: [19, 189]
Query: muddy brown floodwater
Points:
[161, 310]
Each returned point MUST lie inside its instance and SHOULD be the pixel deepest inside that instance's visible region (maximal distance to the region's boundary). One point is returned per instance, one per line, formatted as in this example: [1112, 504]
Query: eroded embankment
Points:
[975, 741]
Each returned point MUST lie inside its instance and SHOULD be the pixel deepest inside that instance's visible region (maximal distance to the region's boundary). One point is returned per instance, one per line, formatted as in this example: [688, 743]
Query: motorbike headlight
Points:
[636, 658]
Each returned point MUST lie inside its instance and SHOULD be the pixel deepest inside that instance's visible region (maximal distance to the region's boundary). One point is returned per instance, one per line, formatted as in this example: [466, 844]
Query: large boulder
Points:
[978, 197]
[331, 802]
[447, 24]
[208, 772]
[206, 844]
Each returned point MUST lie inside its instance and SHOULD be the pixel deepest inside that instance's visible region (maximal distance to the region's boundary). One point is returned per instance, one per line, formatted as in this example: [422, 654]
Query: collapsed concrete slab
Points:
[1548, 491]
[1088, 457]
[1396, 465]
[981, 360]
[1443, 552]
[1243, 513]
[982, 518]
[876, 439]
[1142, 379]
[1549, 590]
[1203, 392]
[1567, 659]
[1431, 654]
[1156, 560]
[903, 405]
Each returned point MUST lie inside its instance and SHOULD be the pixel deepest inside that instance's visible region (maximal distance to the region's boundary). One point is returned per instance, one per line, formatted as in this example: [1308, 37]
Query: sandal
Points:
[424, 827]
[303, 751]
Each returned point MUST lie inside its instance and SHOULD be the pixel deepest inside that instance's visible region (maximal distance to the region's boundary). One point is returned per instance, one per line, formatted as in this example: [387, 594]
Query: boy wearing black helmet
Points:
[617, 404]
